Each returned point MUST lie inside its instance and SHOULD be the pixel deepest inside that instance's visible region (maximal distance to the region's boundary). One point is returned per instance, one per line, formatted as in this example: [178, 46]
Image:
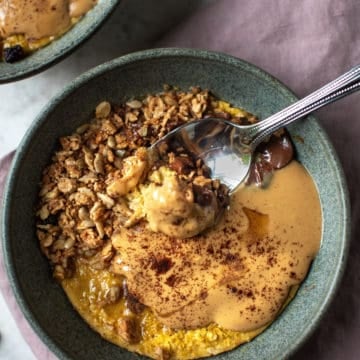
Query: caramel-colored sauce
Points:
[239, 273]
[37, 19]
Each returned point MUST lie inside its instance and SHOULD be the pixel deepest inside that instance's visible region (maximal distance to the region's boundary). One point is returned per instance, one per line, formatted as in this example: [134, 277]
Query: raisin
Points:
[13, 54]
[203, 196]
[223, 197]
[129, 330]
[133, 304]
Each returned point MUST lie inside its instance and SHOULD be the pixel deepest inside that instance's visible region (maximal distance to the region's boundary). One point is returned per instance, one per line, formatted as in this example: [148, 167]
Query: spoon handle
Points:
[333, 91]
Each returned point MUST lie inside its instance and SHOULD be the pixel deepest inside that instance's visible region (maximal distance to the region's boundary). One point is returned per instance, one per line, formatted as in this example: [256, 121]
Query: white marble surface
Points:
[135, 25]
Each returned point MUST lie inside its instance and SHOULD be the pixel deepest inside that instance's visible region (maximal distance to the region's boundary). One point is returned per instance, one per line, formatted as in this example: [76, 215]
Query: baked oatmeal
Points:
[27, 25]
[154, 254]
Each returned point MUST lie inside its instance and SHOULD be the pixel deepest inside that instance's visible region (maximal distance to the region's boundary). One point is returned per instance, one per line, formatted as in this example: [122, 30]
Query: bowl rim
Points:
[132, 58]
[62, 49]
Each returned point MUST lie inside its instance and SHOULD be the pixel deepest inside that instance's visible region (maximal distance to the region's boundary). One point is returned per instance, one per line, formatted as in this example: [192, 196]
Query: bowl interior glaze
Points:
[43, 301]
[61, 47]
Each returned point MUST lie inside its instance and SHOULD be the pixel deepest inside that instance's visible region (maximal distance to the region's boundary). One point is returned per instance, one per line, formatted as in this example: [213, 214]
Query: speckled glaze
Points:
[43, 301]
[60, 48]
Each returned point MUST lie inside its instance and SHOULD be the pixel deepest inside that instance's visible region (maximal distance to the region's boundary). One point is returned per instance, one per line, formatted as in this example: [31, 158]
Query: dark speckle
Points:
[171, 280]
[161, 266]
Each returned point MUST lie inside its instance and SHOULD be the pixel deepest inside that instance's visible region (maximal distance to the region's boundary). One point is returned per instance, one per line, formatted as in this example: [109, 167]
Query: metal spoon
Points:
[227, 148]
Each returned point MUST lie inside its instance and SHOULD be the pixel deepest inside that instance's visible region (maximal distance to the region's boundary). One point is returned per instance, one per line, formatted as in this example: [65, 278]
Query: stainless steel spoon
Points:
[227, 148]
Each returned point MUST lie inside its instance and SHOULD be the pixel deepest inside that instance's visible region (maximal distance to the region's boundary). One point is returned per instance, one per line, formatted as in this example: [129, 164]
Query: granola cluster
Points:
[83, 190]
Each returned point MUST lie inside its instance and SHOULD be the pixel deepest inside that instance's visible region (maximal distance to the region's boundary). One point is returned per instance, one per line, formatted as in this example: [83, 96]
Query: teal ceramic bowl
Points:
[60, 48]
[43, 301]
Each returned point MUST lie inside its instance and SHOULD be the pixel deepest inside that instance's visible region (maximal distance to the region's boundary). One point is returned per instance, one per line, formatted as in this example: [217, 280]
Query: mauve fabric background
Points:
[305, 44]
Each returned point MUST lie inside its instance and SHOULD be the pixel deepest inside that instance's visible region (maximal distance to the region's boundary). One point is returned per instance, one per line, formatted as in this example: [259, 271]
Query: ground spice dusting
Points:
[160, 266]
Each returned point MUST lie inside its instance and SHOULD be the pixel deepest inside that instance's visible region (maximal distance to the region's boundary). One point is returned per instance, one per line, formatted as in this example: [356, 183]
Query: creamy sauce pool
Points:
[37, 19]
[239, 273]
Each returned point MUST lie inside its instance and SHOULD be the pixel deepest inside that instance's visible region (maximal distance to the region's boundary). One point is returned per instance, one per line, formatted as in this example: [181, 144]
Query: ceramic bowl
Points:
[60, 48]
[43, 301]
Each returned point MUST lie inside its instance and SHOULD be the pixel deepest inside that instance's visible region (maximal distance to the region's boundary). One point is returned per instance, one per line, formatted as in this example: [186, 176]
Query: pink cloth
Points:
[38, 348]
[305, 44]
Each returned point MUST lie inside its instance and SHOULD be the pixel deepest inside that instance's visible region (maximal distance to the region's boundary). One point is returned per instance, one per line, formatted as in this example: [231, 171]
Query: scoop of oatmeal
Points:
[27, 25]
[39, 18]
[170, 207]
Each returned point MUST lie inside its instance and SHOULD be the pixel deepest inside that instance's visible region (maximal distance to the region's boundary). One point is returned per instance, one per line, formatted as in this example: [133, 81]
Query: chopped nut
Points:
[100, 229]
[88, 178]
[70, 142]
[195, 106]
[43, 213]
[86, 224]
[131, 117]
[81, 129]
[103, 110]
[134, 104]
[163, 353]
[99, 163]
[202, 181]
[216, 184]
[69, 243]
[90, 239]
[54, 193]
[120, 153]
[55, 205]
[133, 304]
[83, 213]
[97, 261]
[182, 165]
[118, 163]
[72, 168]
[169, 100]
[97, 211]
[66, 185]
[107, 200]
[59, 273]
[58, 245]
[111, 143]
[143, 131]
[118, 120]
[89, 158]
[108, 127]
[47, 240]
[86, 192]
[113, 294]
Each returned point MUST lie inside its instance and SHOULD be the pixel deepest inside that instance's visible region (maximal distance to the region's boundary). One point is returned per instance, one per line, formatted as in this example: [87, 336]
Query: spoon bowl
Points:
[227, 148]
[217, 142]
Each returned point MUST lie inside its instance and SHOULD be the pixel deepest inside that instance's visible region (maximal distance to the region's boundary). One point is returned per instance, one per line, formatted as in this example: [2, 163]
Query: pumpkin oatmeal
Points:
[153, 253]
